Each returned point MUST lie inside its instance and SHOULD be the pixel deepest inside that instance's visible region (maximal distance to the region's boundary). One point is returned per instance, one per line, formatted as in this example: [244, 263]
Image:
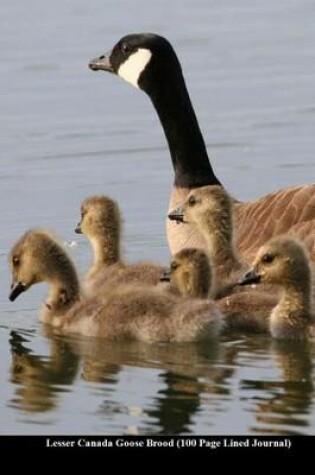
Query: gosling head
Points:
[99, 215]
[204, 206]
[281, 261]
[145, 60]
[190, 273]
[37, 257]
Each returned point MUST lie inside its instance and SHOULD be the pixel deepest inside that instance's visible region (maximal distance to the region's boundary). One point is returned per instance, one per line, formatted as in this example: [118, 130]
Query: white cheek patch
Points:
[132, 68]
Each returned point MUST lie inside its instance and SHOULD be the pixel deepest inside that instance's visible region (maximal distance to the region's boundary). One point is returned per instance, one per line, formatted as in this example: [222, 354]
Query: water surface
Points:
[66, 132]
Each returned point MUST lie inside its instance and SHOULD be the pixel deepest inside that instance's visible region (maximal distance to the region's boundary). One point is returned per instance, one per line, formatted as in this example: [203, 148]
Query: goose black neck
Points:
[187, 147]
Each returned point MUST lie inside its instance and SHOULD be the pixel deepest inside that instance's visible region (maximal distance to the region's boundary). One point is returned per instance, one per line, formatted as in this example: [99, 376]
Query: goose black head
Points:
[145, 60]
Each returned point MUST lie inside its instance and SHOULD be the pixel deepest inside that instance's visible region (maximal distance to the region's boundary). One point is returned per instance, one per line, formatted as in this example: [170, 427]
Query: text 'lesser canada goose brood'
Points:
[128, 313]
[101, 224]
[149, 62]
[192, 275]
[283, 261]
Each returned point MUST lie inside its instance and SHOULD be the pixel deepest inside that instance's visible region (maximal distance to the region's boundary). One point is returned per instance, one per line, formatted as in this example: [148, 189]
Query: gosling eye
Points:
[267, 258]
[15, 261]
[192, 200]
[174, 266]
[83, 213]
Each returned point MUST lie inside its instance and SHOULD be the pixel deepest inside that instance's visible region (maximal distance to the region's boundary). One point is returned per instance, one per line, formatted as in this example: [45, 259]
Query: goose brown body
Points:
[291, 210]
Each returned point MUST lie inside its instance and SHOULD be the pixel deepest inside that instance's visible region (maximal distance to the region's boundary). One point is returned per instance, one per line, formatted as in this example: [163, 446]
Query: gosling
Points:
[192, 275]
[210, 209]
[101, 224]
[128, 313]
[283, 261]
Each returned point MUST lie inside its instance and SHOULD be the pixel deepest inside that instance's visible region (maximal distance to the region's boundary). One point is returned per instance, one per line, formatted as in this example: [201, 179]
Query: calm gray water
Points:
[66, 132]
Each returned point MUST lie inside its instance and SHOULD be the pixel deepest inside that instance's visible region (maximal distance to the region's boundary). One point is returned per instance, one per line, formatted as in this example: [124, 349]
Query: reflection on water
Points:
[192, 382]
[38, 379]
[288, 401]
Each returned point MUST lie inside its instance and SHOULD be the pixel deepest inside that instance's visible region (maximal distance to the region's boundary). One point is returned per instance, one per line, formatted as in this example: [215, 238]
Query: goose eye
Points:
[125, 48]
[16, 261]
[267, 258]
[173, 266]
[192, 200]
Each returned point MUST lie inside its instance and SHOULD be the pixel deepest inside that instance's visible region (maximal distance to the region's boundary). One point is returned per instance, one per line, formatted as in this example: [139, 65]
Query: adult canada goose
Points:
[101, 224]
[192, 275]
[127, 313]
[283, 261]
[149, 62]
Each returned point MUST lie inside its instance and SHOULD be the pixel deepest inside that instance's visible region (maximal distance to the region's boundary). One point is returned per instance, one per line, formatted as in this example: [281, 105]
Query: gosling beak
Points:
[78, 229]
[102, 63]
[166, 276]
[251, 277]
[177, 215]
[16, 289]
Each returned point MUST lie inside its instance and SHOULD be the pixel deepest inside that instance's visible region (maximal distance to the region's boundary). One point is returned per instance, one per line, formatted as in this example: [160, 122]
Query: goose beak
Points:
[177, 215]
[102, 63]
[166, 276]
[16, 289]
[251, 277]
[78, 229]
